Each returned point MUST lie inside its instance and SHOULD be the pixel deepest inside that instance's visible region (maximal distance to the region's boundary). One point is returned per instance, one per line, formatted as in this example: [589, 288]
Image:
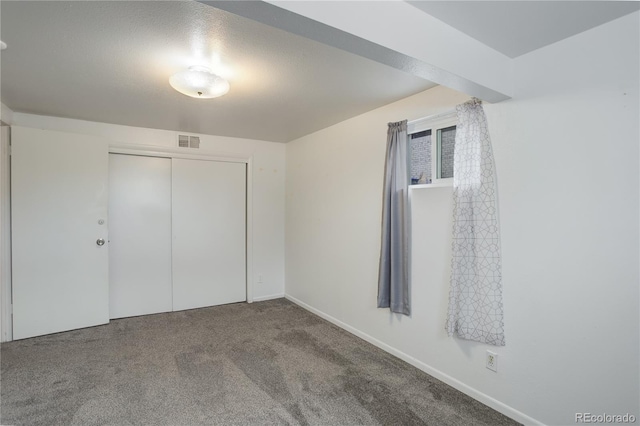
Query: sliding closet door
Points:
[209, 222]
[140, 235]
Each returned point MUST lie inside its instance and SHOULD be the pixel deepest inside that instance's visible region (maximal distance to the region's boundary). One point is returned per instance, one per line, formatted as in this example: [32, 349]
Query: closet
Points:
[99, 235]
[177, 234]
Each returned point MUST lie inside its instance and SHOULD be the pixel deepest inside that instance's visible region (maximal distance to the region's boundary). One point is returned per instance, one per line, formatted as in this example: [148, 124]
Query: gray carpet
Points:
[262, 363]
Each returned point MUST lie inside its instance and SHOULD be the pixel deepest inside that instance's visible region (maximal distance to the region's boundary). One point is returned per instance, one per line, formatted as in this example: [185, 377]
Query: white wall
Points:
[6, 114]
[567, 149]
[268, 184]
[567, 158]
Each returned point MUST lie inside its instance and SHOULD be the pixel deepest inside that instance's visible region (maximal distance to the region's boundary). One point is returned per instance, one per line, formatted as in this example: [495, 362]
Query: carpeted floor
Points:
[262, 363]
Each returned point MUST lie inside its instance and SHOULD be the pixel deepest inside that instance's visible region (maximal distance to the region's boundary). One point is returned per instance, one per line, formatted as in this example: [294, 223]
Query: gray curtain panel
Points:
[393, 278]
[475, 296]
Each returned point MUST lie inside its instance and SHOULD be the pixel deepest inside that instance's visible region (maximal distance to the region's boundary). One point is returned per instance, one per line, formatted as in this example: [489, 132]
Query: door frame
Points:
[189, 154]
[6, 308]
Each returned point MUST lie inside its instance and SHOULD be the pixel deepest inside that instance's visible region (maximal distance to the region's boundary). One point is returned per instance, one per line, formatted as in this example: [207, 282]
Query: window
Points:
[431, 148]
[420, 156]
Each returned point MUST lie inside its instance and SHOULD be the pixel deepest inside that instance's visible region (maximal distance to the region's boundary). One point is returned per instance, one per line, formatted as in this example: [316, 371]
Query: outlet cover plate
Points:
[492, 361]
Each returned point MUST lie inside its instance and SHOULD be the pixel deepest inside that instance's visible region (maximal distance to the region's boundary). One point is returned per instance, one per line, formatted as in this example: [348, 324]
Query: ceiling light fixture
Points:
[199, 82]
[3, 45]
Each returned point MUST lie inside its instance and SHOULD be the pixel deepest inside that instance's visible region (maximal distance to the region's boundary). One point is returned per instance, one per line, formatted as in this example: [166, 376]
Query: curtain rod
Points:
[434, 116]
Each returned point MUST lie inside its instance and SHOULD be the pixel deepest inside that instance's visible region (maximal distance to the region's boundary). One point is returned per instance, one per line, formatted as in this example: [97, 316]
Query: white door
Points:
[139, 235]
[209, 229]
[59, 219]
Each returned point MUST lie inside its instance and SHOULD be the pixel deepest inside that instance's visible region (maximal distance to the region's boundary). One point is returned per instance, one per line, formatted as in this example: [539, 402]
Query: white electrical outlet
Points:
[259, 278]
[492, 361]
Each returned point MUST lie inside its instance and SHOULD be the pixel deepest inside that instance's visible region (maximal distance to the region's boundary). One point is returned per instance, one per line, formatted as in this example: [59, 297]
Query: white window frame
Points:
[433, 124]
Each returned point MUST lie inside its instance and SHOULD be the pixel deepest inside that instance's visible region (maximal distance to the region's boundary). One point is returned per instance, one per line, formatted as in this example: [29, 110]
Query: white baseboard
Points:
[271, 296]
[473, 393]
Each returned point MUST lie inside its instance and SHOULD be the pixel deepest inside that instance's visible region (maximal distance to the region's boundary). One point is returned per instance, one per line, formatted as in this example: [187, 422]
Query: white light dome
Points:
[199, 82]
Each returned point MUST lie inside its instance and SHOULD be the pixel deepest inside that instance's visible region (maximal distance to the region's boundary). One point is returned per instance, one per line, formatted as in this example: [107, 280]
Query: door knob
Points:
[100, 241]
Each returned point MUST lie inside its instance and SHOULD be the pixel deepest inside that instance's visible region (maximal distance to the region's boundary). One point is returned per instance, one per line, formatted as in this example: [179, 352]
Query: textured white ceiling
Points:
[518, 27]
[111, 61]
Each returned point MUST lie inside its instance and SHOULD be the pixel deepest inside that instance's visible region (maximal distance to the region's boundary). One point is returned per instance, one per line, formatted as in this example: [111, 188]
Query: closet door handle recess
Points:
[100, 241]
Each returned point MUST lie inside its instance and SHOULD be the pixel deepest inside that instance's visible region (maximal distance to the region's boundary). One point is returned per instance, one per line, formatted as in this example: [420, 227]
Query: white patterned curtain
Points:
[475, 296]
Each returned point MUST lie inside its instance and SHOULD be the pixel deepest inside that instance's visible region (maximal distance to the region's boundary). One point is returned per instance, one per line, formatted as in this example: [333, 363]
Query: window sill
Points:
[448, 183]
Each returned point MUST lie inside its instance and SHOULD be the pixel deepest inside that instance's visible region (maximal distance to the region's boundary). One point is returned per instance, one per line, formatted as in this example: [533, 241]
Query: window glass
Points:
[446, 146]
[420, 155]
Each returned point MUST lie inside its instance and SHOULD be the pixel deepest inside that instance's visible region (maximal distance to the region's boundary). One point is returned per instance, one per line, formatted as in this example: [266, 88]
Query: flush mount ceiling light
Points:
[199, 82]
[3, 45]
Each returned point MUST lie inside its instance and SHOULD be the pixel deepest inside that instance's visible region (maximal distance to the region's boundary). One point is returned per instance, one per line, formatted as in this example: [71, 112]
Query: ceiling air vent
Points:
[185, 141]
